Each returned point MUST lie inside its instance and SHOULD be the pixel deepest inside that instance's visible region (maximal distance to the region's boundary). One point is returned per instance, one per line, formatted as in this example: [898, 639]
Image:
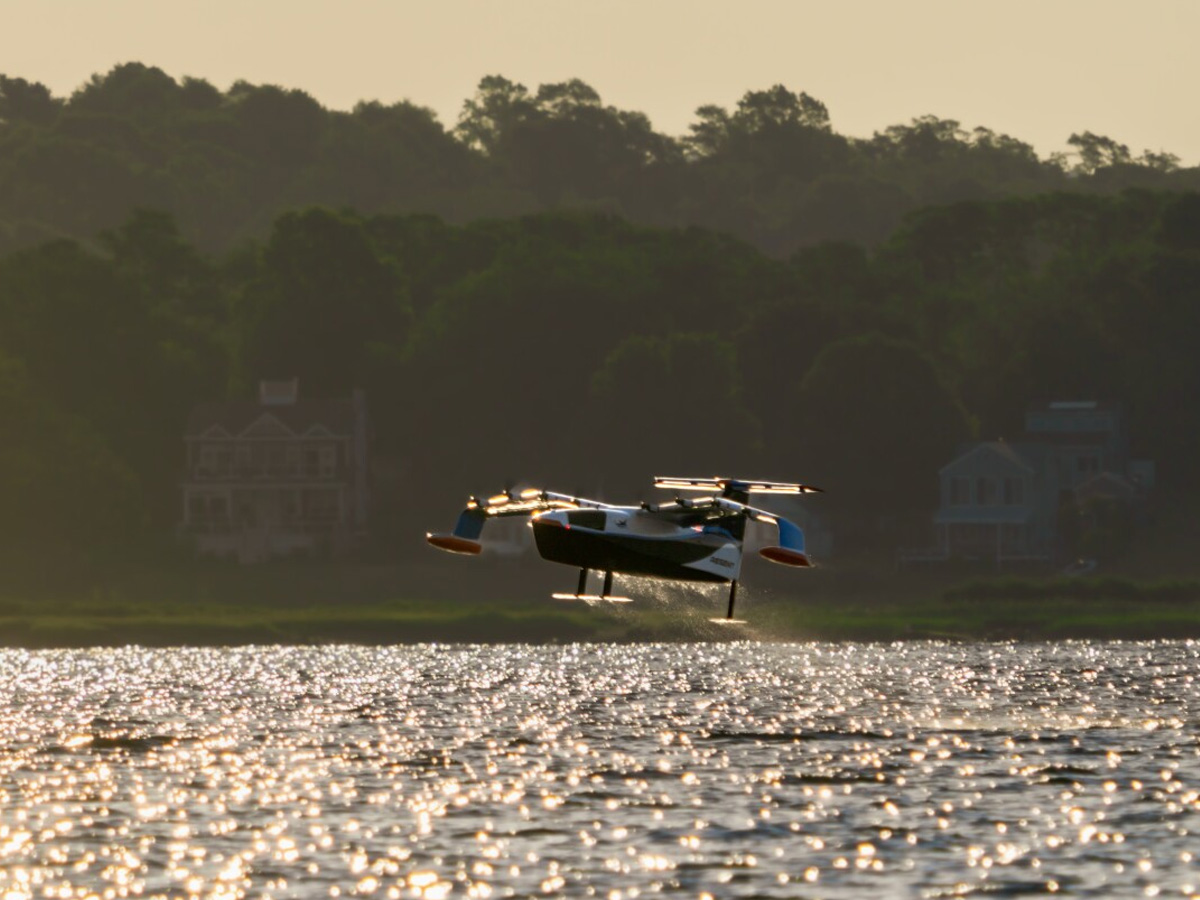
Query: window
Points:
[321, 505]
[205, 507]
[960, 492]
[1014, 491]
[214, 460]
[587, 518]
[328, 461]
[985, 491]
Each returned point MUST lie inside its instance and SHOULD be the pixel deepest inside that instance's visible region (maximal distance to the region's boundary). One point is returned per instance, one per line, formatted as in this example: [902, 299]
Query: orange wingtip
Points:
[453, 544]
[784, 556]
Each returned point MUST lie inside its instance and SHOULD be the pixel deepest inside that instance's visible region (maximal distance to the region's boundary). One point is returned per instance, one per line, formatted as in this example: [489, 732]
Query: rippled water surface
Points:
[803, 770]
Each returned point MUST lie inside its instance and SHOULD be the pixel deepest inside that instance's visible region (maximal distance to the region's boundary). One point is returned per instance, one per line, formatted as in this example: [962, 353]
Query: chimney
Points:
[278, 393]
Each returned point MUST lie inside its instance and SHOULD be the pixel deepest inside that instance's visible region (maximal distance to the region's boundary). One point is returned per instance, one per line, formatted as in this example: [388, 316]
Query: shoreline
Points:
[368, 626]
[299, 604]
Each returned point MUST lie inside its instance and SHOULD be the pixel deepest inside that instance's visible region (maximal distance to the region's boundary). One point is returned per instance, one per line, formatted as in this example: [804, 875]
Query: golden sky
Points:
[1035, 70]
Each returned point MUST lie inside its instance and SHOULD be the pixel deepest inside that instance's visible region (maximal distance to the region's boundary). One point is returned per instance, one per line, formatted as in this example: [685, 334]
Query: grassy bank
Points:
[304, 604]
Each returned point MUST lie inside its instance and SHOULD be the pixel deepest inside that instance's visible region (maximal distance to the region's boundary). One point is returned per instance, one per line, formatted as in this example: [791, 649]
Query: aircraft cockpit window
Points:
[587, 518]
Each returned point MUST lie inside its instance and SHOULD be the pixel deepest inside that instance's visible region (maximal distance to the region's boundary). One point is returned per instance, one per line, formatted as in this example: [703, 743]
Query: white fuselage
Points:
[628, 539]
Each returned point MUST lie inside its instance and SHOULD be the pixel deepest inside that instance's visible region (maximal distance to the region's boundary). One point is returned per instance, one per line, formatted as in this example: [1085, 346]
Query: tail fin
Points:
[465, 537]
[790, 551]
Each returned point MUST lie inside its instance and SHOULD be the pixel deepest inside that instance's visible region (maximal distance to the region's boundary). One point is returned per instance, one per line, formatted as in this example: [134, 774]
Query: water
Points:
[744, 769]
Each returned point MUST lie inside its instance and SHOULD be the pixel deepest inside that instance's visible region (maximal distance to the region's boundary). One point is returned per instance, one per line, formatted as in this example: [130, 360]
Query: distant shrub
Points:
[1081, 589]
[13, 607]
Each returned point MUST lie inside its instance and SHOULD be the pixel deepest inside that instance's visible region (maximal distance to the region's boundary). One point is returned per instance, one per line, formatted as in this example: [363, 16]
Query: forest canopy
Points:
[581, 350]
[553, 292]
[771, 170]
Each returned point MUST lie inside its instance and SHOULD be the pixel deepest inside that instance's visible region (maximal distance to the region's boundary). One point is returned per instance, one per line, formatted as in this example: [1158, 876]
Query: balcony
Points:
[268, 473]
[312, 525]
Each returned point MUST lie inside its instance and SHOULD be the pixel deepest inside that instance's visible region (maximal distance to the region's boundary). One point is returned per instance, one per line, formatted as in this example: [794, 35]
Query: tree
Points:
[173, 278]
[876, 423]
[925, 140]
[750, 168]
[69, 502]
[79, 328]
[1160, 161]
[777, 107]
[322, 296]
[672, 404]
[565, 99]
[386, 158]
[563, 144]
[1097, 151]
[96, 348]
[197, 95]
[709, 133]
[65, 494]
[1179, 226]
[26, 101]
[130, 90]
[276, 127]
[488, 117]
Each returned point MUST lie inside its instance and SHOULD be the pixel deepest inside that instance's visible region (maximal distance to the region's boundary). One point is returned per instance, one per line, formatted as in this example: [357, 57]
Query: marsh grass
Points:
[312, 604]
[1166, 590]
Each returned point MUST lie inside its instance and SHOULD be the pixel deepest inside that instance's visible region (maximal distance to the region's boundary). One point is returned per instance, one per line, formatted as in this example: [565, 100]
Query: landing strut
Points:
[581, 591]
[729, 619]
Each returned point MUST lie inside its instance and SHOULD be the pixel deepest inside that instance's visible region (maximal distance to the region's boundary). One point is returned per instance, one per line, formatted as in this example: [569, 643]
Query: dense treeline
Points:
[585, 352]
[771, 171]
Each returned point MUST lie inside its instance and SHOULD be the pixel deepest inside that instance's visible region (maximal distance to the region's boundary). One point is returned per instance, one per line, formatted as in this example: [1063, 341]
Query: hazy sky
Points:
[1036, 70]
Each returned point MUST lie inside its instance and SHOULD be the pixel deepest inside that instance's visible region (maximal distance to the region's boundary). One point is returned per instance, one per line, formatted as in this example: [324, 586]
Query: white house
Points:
[1001, 501]
[993, 505]
[277, 475]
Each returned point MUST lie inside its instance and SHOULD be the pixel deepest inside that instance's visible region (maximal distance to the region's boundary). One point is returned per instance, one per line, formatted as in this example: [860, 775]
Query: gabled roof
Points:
[1107, 484]
[1002, 449]
[1072, 406]
[267, 425]
[1098, 439]
[236, 416]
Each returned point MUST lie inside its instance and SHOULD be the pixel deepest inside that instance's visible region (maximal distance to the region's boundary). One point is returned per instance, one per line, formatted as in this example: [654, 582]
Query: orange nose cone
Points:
[453, 544]
[784, 556]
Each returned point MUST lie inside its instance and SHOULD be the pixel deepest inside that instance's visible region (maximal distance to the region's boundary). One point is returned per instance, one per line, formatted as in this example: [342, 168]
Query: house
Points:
[276, 476]
[1001, 501]
[992, 504]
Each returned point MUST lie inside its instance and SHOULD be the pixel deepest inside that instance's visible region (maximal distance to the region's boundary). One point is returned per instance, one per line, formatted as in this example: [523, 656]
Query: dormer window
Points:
[1014, 491]
[208, 461]
[328, 462]
[985, 491]
[960, 492]
[279, 393]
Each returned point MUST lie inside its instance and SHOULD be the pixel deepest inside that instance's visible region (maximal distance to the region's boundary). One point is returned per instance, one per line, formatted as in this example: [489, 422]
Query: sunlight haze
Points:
[1038, 71]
